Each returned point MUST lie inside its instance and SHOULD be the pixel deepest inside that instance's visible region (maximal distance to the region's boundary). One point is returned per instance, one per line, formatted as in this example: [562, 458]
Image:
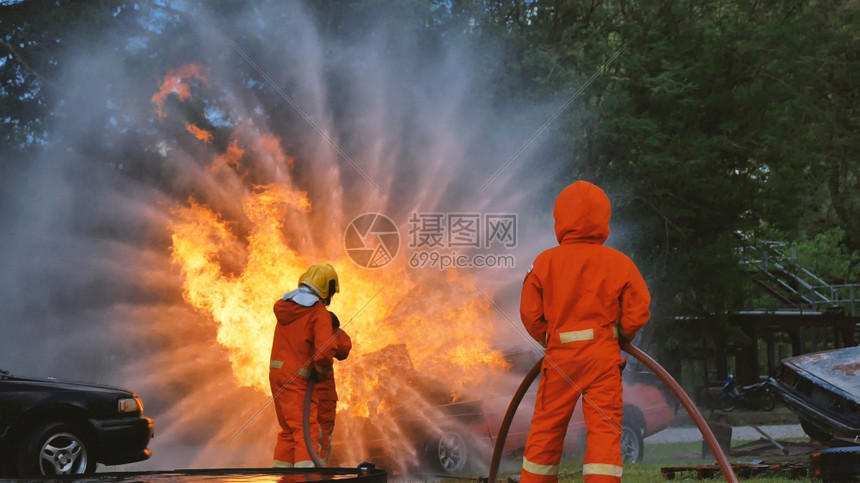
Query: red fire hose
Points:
[707, 434]
[692, 410]
[306, 425]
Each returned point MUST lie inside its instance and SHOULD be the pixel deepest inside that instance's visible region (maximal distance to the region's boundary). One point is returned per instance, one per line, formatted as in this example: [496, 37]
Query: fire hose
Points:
[306, 425]
[707, 434]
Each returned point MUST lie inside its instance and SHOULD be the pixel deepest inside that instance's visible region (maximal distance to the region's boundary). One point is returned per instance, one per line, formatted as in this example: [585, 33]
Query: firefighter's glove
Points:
[322, 373]
[622, 337]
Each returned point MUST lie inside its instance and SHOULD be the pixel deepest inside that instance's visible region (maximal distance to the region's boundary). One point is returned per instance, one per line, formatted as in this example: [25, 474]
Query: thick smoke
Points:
[390, 120]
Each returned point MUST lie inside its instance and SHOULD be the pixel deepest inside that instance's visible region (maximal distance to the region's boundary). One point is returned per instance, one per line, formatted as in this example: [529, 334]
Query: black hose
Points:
[306, 425]
[707, 434]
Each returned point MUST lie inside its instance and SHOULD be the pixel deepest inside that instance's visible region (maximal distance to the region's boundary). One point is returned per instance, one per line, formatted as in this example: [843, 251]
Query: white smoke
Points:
[398, 121]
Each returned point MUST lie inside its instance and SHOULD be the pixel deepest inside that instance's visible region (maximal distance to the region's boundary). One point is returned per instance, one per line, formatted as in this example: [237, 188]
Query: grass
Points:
[658, 456]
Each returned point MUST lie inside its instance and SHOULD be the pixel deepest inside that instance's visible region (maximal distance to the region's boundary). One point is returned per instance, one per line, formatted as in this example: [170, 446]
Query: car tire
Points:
[836, 464]
[814, 432]
[55, 449]
[632, 444]
[449, 451]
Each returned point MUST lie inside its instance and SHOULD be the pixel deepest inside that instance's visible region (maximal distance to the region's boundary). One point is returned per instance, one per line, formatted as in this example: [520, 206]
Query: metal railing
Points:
[794, 284]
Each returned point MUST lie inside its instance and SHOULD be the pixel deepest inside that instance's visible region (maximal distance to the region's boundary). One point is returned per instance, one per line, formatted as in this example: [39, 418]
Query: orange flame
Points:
[236, 265]
[228, 160]
[178, 81]
[199, 133]
[442, 338]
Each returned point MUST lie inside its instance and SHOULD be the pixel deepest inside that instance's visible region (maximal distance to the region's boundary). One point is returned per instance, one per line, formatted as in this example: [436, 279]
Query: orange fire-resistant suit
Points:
[325, 392]
[301, 347]
[575, 299]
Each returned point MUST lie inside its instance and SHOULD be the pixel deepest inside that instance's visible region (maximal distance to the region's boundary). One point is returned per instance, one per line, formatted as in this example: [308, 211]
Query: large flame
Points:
[178, 81]
[235, 264]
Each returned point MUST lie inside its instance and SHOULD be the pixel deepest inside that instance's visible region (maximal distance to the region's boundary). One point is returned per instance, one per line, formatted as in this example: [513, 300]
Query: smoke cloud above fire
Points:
[200, 161]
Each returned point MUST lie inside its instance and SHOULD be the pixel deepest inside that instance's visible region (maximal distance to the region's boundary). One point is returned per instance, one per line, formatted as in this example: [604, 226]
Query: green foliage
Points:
[827, 255]
[36, 36]
[716, 123]
[715, 120]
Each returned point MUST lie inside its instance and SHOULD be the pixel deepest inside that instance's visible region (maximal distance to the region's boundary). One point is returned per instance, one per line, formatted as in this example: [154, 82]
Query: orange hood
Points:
[582, 214]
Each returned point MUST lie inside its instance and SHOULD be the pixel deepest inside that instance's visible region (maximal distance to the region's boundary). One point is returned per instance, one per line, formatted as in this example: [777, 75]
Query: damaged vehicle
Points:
[648, 408]
[823, 389]
[456, 435]
[50, 427]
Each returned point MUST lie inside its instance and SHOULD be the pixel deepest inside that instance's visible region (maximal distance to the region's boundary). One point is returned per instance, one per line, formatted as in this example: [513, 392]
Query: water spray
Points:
[645, 359]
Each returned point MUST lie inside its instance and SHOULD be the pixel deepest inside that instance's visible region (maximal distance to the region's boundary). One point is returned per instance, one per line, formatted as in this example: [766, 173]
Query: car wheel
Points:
[767, 402]
[632, 444]
[55, 449]
[814, 432]
[448, 451]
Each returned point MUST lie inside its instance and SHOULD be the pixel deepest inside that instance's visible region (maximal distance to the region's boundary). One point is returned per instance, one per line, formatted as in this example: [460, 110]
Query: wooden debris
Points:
[792, 470]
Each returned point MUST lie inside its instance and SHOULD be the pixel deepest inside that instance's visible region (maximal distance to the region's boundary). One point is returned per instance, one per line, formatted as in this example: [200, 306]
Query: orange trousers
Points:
[290, 448]
[326, 412]
[602, 409]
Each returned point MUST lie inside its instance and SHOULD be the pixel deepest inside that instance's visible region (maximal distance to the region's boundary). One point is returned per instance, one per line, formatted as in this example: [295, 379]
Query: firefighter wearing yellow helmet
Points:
[322, 280]
[301, 348]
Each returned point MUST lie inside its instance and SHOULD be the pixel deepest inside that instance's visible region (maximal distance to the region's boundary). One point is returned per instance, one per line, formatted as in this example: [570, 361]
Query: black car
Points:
[49, 427]
[823, 389]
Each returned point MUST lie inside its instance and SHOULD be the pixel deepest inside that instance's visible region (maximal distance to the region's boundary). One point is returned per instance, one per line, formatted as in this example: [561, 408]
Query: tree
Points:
[716, 124]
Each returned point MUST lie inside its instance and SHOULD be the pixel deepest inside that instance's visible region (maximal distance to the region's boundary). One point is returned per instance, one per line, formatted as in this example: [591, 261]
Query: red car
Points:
[459, 437]
[648, 408]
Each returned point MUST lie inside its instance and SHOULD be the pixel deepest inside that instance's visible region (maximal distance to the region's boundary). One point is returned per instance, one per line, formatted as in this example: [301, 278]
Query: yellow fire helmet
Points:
[322, 279]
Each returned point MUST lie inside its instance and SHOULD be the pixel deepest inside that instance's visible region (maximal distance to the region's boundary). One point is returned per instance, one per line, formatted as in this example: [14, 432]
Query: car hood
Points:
[839, 368]
[65, 385]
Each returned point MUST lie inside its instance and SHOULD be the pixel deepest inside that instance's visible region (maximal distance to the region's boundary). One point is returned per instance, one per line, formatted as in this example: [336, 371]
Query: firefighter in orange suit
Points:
[301, 349]
[325, 393]
[577, 299]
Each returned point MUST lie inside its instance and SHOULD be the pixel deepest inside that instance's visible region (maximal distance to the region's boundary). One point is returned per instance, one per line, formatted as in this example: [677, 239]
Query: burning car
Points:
[49, 427]
[457, 434]
[647, 409]
[823, 388]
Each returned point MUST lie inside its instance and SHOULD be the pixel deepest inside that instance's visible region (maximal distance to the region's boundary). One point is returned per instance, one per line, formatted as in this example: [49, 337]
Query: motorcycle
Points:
[755, 396]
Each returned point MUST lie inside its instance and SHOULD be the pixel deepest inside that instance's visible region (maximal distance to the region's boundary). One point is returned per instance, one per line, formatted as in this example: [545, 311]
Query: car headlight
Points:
[130, 405]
